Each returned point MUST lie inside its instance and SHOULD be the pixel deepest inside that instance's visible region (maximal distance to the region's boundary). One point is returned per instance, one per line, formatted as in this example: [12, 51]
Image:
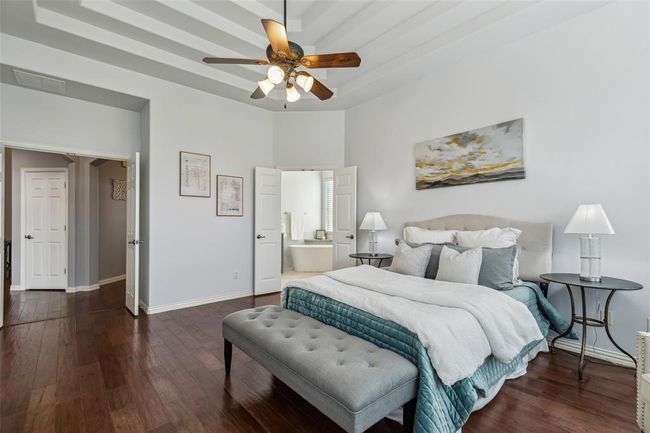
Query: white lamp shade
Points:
[266, 86]
[590, 219]
[373, 221]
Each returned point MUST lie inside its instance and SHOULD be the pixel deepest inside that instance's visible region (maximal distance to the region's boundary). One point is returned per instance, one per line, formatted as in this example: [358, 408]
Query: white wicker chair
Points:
[643, 381]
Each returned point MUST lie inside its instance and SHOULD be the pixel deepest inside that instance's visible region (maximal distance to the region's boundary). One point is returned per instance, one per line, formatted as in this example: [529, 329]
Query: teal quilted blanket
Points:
[440, 408]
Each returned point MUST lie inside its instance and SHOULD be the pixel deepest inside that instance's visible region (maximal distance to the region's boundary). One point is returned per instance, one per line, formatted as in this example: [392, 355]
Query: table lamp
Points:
[373, 222]
[590, 219]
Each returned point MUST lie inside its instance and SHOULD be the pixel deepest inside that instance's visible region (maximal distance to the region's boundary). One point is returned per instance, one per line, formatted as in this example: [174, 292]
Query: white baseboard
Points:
[112, 279]
[17, 288]
[194, 302]
[612, 356]
[89, 288]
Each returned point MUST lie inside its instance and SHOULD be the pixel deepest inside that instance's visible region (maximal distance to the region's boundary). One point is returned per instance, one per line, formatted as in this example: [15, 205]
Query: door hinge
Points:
[65, 184]
[65, 227]
[65, 270]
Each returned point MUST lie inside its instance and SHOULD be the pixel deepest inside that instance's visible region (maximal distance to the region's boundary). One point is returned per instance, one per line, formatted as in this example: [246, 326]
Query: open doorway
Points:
[324, 213]
[65, 232]
[307, 217]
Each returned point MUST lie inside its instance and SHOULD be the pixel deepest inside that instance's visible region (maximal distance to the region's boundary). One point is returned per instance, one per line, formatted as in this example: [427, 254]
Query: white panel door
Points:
[268, 236]
[2, 234]
[44, 233]
[345, 217]
[133, 233]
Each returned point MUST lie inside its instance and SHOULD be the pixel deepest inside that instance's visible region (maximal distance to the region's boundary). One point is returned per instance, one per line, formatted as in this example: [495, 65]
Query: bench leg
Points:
[409, 416]
[227, 354]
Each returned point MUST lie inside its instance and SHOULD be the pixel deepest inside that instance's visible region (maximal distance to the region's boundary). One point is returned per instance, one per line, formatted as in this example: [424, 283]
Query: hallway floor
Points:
[36, 305]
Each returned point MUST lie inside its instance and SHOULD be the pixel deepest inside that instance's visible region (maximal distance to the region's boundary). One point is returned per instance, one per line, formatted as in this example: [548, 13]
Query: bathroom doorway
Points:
[307, 219]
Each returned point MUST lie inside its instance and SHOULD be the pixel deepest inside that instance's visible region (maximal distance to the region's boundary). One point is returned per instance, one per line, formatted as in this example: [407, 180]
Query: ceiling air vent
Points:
[40, 82]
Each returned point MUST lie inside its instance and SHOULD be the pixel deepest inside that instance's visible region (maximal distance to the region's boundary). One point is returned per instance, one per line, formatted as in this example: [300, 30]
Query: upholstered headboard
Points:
[535, 243]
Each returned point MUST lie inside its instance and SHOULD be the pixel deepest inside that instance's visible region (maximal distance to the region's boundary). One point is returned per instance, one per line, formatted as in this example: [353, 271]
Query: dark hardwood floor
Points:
[35, 305]
[97, 369]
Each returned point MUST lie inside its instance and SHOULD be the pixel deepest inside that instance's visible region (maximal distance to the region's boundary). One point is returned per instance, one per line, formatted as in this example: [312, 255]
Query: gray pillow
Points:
[411, 261]
[434, 259]
[497, 266]
[460, 267]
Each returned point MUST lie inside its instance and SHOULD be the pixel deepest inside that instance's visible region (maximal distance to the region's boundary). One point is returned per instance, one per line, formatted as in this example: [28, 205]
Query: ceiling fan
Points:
[285, 57]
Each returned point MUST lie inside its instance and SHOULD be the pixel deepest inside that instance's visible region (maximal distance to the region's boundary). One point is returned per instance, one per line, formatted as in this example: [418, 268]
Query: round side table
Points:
[613, 285]
[370, 257]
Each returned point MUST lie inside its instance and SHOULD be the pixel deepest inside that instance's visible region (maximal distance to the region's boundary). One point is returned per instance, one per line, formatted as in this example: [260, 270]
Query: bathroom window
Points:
[328, 204]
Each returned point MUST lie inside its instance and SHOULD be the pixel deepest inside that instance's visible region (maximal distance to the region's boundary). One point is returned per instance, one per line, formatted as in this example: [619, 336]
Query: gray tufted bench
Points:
[352, 381]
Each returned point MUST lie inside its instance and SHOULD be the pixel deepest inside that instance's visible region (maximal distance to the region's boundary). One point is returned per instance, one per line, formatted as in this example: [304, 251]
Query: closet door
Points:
[345, 217]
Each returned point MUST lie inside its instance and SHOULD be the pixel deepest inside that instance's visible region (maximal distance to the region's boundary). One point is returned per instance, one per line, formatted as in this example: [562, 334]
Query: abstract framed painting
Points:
[487, 154]
[230, 196]
[195, 175]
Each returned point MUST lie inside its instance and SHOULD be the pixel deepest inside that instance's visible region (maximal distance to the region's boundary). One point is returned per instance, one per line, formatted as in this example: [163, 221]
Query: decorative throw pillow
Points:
[492, 238]
[459, 267]
[411, 261]
[424, 236]
[496, 266]
[434, 258]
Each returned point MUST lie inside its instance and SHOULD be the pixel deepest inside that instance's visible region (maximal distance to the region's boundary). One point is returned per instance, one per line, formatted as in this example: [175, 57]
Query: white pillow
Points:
[411, 261]
[423, 236]
[460, 267]
[492, 238]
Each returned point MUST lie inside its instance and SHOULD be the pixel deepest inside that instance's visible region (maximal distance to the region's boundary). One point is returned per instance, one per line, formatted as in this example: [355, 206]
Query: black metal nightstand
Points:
[370, 257]
[607, 283]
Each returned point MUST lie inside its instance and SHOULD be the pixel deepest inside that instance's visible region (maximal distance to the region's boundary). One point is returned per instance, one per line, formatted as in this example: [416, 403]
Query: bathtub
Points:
[311, 258]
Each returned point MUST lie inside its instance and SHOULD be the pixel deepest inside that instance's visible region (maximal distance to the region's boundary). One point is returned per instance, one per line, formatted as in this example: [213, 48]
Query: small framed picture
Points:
[321, 234]
[195, 175]
[230, 195]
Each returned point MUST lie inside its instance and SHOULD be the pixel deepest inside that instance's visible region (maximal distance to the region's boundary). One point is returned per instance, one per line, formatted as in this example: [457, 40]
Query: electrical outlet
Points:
[235, 275]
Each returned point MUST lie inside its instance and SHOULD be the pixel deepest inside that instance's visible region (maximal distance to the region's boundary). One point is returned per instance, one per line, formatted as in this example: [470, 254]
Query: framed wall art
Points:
[195, 175]
[486, 154]
[230, 196]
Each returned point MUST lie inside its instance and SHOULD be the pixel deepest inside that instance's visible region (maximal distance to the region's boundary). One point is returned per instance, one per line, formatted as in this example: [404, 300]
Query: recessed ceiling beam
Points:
[93, 33]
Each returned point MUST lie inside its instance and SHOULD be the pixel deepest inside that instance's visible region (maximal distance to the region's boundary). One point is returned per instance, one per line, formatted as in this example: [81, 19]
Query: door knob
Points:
[350, 236]
[29, 237]
[260, 237]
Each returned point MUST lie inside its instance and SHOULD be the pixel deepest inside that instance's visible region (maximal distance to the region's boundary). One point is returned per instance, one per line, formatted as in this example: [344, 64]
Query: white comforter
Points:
[459, 324]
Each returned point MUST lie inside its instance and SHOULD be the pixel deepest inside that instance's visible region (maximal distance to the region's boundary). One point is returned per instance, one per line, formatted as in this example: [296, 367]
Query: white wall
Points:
[310, 139]
[31, 116]
[112, 222]
[192, 254]
[582, 88]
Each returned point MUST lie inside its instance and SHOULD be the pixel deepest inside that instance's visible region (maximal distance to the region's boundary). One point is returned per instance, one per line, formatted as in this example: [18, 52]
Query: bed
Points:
[432, 323]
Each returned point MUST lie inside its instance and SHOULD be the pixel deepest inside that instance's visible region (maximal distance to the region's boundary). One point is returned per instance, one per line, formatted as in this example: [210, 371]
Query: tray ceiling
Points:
[399, 41]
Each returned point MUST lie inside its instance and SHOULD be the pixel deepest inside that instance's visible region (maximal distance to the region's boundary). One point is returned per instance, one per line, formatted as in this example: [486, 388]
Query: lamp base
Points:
[590, 259]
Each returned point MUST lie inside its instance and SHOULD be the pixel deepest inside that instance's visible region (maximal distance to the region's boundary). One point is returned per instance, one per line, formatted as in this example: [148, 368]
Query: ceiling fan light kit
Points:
[275, 74]
[266, 86]
[305, 81]
[285, 57]
[292, 93]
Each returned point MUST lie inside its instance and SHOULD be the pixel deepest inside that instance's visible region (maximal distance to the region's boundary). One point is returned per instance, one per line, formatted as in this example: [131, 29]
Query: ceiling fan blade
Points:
[227, 61]
[336, 60]
[320, 90]
[277, 35]
[258, 93]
